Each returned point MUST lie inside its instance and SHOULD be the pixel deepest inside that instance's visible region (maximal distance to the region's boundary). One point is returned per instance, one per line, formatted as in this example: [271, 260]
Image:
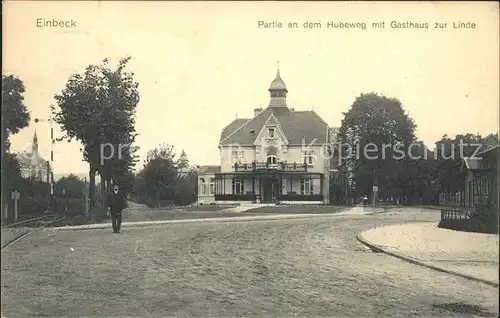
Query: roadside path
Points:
[472, 255]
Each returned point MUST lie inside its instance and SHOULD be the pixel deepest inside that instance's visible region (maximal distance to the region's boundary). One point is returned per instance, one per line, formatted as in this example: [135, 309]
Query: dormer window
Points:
[272, 159]
[271, 132]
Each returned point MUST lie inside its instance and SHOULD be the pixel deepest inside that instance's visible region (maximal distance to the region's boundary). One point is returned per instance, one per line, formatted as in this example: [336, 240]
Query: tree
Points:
[126, 181]
[73, 186]
[164, 177]
[11, 173]
[15, 115]
[449, 154]
[377, 120]
[160, 173]
[98, 109]
[185, 187]
[183, 161]
[139, 189]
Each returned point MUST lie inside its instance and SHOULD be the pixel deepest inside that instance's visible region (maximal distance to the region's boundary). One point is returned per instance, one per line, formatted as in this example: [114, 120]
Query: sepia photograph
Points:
[250, 159]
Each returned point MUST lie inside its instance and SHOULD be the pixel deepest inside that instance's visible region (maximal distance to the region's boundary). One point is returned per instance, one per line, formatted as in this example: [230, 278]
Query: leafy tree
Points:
[449, 154]
[73, 186]
[98, 109]
[183, 161]
[126, 181]
[164, 177]
[185, 187]
[491, 140]
[160, 173]
[378, 120]
[11, 173]
[139, 189]
[15, 115]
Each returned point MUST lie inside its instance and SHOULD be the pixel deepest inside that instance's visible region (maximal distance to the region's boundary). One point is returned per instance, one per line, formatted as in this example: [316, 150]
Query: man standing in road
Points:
[116, 204]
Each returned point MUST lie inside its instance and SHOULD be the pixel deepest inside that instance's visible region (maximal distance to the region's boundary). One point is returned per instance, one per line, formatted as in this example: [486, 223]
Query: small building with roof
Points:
[206, 183]
[473, 205]
[480, 176]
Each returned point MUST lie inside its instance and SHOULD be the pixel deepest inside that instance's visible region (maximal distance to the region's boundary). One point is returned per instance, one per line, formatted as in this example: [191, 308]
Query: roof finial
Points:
[278, 73]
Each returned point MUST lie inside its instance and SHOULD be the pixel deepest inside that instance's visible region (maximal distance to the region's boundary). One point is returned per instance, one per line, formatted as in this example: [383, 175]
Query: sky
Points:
[200, 65]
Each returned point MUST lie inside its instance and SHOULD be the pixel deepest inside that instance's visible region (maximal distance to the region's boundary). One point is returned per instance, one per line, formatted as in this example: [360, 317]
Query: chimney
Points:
[257, 111]
[292, 109]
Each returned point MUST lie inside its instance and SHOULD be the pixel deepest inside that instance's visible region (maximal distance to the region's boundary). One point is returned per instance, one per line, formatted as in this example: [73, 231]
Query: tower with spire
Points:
[34, 145]
[31, 162]
[278, 91]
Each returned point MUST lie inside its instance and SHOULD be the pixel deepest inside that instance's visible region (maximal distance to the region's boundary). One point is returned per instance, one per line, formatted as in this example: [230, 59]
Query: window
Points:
[484, 185]
[212, 186]
[283, 186]
[271, 132]
[203, 186]
[272, 159]
[306, 187]
[277, 94]
[237, 157]
[237, 186]
[308, 157]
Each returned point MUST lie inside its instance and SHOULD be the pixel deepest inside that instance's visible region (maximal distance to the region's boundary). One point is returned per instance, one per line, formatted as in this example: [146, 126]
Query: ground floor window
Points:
[203, 187]
[212, 186]
[237, 186]
[306, 187]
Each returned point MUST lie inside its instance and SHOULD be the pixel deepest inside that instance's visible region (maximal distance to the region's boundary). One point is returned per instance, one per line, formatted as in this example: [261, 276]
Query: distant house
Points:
[278, 154]
[480, 175]
[474, 205]
[32, 165]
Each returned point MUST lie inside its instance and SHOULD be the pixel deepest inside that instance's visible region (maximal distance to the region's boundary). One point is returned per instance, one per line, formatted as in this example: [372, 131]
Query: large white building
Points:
[278, 154]
[32, 164]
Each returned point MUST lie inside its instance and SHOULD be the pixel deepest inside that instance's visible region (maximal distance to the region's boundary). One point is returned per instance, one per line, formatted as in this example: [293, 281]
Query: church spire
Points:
[35, 142]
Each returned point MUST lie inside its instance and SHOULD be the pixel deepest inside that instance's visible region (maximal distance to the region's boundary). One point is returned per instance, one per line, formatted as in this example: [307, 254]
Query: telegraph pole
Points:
[50, 171]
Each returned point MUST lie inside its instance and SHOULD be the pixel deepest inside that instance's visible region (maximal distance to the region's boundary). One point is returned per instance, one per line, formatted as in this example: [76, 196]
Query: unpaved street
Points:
[308, 267]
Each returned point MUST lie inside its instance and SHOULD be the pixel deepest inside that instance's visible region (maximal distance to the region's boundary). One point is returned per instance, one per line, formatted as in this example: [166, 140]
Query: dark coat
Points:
[116, 202]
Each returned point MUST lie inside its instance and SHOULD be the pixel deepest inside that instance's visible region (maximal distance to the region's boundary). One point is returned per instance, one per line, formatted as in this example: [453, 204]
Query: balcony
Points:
[266, 166]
